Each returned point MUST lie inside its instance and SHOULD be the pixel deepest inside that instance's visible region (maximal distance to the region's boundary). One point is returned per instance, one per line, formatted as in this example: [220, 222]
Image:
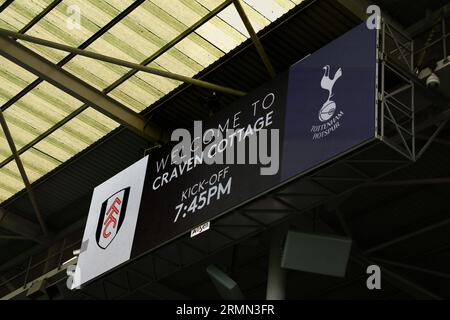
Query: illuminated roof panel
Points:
[143, 32]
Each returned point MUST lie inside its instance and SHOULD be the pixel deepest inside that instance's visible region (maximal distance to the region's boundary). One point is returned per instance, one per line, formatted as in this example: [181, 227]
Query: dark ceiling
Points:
[409, 12]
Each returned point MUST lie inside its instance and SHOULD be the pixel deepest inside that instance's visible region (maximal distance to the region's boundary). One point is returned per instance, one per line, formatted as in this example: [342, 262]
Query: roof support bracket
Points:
[256, 41]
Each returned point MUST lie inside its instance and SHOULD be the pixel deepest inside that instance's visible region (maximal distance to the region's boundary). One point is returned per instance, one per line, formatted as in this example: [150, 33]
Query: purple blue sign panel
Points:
[322, 107]
[331, 101]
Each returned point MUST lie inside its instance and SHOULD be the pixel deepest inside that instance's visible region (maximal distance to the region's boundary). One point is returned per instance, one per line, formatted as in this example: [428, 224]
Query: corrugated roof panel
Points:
[10, 181]
[5, 151]
[58, 147]
[188, 57]
[231, 16]
[135, 39]
[257, 19]
[96, 73]
[5, 194]
[98, 122]
[76, 135]
[143, 89]
[59, 24]
[13, 79]
[196, 47]
[163, 84]
[186, 66]
[37, 164]
[183, 10]
[137, 94]
[37, 111]
[20, 130]
[19, 13]
[221, 34]
[272, 10]
[146, 30]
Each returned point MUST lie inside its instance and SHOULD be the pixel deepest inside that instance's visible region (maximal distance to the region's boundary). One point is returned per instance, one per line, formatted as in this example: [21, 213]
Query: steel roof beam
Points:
[407, 236]
[77, 88]
[5, 5]
[9, 35]
[40, 16]
[410, 182]
[23, 173]
[256, 41]
[413, 268]
[173, 43]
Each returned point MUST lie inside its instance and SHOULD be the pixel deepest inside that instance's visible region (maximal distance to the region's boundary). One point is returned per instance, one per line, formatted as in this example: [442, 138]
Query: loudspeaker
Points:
[227, 287]
[323, 254]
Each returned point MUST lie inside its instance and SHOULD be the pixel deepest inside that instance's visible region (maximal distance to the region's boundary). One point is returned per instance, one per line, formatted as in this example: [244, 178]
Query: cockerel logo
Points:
[112, 214]
[329, 107]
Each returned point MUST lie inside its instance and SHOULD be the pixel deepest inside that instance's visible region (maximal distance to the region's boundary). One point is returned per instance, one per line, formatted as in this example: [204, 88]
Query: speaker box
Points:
[323, 254]
[227, 287]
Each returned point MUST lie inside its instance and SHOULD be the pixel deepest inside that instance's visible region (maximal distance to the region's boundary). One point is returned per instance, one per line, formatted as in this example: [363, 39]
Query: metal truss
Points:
[397, 94]
[400, 125]
[256, 41]
[57, 259]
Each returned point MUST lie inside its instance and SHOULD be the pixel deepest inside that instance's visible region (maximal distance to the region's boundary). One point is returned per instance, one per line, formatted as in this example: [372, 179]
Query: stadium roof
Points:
[48, 125]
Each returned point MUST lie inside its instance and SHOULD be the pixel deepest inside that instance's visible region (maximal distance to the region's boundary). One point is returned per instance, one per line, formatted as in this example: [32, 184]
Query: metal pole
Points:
[5, 5]
[444, 36]
[276, 277]
[409, 182]
[407, 236]
[27, 272]
[256, 41]
[413, 268]
[40, 16]
[23, 173]
[433, 136]
[74, 86]
[119, 62]
[172, 43]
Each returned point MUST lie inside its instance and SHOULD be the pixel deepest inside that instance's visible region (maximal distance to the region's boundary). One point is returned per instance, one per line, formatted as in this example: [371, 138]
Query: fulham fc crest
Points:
[112, 214]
